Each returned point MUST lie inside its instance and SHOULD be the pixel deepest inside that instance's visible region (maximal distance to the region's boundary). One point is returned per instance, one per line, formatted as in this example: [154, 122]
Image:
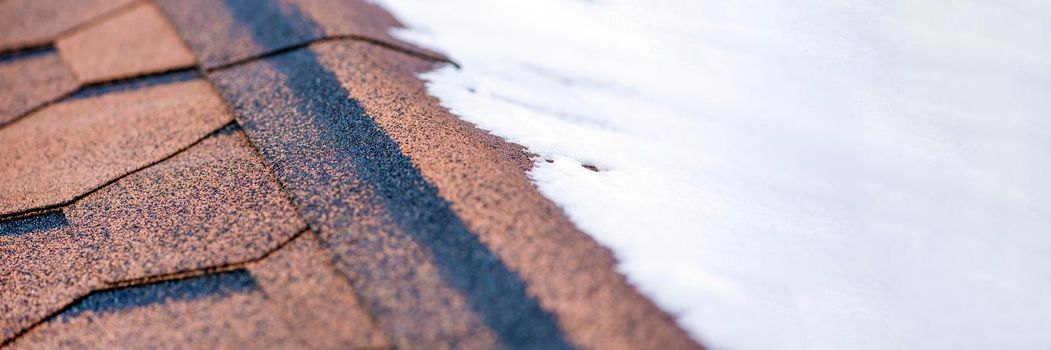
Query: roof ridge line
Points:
[342, 37]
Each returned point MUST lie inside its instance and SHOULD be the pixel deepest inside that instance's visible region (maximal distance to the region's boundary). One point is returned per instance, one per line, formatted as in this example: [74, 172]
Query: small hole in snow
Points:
[549, 160]
[590, 167]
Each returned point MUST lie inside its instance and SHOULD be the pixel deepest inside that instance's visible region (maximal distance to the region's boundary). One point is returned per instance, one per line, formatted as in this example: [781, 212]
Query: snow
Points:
[783, 174]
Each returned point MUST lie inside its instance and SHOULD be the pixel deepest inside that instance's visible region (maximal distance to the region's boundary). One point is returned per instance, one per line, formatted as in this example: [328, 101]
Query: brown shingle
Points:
[484, 179]
[223, 311]
[220, 32]
[292, 298]
[36, 22]
[136, 42]
[212, 205]
[30, 81]
[428, 230]
[306, 131]
[365, 19]
[312, 295]
[68, 149]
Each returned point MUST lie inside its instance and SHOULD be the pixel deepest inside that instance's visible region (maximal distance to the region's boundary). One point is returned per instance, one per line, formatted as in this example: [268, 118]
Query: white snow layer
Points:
[784, 174]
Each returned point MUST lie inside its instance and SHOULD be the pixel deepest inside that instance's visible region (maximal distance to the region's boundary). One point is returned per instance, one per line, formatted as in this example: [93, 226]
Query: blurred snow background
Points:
[784, 174]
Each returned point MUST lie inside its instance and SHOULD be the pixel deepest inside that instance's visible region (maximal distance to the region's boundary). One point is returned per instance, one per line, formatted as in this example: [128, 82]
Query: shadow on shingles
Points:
[271, 26]
[227, 130]
[36, 223]
[135, 83]
[494, 291]
[218, 285]
[22, 54]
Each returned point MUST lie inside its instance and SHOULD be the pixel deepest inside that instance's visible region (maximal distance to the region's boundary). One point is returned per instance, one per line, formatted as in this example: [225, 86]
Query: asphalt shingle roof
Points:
[70, 148]
[219, 311]
[224, 32]
[32, 80]
[135, 42]
[316, 298]
[214, 204]
[31, 23]
[296, 188]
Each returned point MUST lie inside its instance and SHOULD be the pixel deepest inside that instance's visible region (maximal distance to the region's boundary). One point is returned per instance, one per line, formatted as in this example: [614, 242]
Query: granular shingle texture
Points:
[25, 23]
[281, 181]
[135, 42]
[212, 205]
[291, 298]
[222, 311]
[312, 295]
[318, 145]
[484, 180]
[221, 32]
[30, 81]
[70, 148]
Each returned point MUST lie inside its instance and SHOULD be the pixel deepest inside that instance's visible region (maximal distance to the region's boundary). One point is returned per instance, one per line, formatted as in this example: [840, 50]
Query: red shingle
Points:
[223, 311]
[312, 295]
[221, 32]
[292, 298]
[36, 22]
[313, 140]
[426, 231]
[212, 205]
[31, 81]
[68, 149]
[484, 179]
[135, 42]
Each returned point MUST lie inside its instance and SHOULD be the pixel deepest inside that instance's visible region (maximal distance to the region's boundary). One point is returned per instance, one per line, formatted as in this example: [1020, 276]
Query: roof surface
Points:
[273, 174]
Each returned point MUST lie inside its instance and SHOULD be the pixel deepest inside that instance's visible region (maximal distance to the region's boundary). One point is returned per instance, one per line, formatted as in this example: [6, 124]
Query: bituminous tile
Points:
[31, 81]
[311, 294]
[221, 32]
[212, 205]
[136, 42]
[485, 181]
[65, 150]
[434, 231]
[25, 23]
[292, 298]
[221, 311]
[320, 149]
